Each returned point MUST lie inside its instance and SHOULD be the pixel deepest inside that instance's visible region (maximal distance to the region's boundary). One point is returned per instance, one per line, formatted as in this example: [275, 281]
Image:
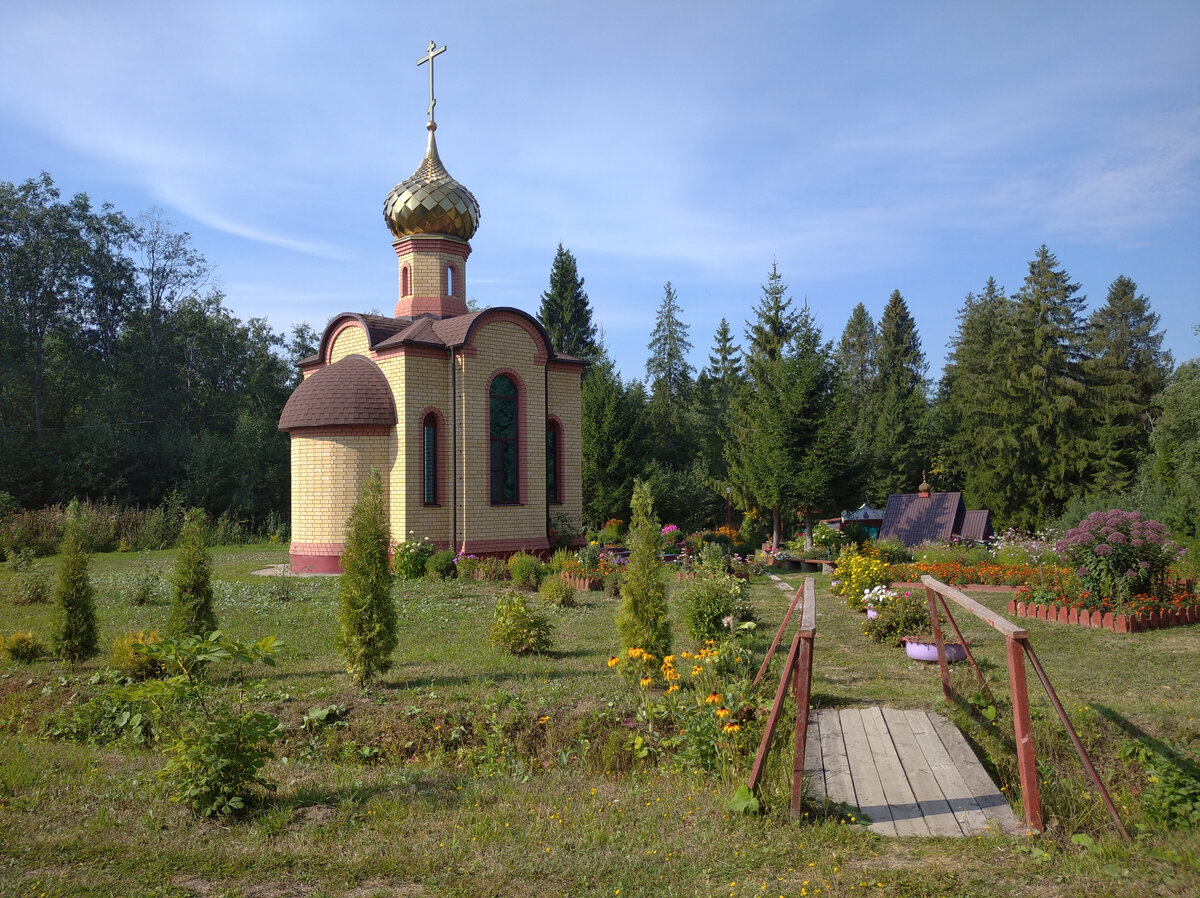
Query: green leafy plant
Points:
[712, 605]
[466, 566]
[517, 629]
[146, 582]
[743, 801]
[30, 586]
[411, 556]
[215, 748]
[191, 582]
[128, 658]
[556, 591]
[525, 571]
[494, 569]
[1171, 796]
[366, 613]
[440, 565]
[898, 615]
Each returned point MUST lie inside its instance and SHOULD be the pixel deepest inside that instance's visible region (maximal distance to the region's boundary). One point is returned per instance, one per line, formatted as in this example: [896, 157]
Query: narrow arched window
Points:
[502, 430]
[450, 280]
[553, 444]
[405, 281]
[429, 459]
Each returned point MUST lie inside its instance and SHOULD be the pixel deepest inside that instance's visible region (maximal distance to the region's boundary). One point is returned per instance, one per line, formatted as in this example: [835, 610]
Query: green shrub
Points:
[30, 586]
[367, 615]
[642, 619]
[525, 571]
[76, 634]
[612, 583]
[146, 582]
[466, 566]
[898, 615]
[518, 630]
[23, 647]
[440, 565]
[713, 605]
[128, 656]
[215, 748]
[892, 551]
[556, 591]
[559, 560]
[191, 583]
[494, 569]
[411, 557]
[111, 716]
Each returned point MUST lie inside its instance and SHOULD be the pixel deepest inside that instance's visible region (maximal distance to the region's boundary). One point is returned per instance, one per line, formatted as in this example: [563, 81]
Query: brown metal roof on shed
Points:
[976, 525]
[349, 393]
[912, 518]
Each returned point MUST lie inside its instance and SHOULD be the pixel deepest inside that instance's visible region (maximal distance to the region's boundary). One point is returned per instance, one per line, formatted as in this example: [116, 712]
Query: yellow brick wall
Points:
[502, 345]
[426, 385]
[351, 341]
[426, 269]
[327, 474]
[564, 403]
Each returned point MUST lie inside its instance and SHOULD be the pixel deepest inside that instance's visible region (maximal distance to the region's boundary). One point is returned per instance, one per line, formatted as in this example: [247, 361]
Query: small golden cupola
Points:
[431, 216]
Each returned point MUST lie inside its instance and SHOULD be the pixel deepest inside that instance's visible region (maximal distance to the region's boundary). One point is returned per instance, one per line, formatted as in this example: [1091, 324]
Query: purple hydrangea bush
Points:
[1118, 554]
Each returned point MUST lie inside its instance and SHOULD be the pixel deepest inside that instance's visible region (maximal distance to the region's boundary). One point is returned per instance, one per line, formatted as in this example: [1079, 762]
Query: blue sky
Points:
[865, 147]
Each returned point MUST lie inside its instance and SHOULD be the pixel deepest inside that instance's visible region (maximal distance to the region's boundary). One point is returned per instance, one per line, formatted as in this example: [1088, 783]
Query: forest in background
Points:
[124, 378]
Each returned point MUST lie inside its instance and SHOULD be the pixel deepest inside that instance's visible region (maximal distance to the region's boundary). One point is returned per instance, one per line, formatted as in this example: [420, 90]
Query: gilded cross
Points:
[432, 50]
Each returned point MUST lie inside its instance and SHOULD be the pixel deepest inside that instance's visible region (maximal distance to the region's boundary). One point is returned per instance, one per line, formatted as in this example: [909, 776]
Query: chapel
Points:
[471, 418]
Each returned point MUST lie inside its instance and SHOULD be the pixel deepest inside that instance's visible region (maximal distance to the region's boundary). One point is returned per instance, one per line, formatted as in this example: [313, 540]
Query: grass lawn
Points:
[468, 772]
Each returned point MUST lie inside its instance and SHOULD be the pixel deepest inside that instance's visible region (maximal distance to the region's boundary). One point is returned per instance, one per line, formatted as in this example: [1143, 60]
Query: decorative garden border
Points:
[1118, 623]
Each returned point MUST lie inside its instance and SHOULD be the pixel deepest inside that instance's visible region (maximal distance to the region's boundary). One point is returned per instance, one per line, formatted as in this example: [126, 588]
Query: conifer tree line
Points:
[1042, 411]
[123, 376]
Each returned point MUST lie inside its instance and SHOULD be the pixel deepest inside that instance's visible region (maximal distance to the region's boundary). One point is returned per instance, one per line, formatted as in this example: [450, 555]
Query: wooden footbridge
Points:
[909, 773]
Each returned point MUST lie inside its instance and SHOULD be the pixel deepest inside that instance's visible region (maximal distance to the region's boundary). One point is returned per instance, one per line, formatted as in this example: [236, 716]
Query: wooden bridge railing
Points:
[1017, 647]
[797, 671]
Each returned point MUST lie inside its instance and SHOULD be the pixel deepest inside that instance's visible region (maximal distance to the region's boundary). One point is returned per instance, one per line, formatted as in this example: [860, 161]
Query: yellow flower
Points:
[614, 661]
[635, 653]
[732, 728]
[722, 713]
[543, 718]
[710, 642]
[646, 681]
[697, 670]
[714, 698]
[670, 659]
[674, 687]
[685, 655]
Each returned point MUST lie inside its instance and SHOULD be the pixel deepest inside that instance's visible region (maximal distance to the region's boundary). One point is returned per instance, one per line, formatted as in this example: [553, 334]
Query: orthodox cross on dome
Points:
[432, 50]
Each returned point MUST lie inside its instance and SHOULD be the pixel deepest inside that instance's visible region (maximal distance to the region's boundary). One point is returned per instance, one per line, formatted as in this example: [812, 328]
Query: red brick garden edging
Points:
[1118, 623]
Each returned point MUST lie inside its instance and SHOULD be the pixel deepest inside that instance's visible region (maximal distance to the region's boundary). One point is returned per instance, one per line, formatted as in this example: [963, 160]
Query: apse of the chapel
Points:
[334, 467]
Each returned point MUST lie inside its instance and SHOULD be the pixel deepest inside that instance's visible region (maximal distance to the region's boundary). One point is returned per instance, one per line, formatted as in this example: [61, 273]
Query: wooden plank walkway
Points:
[910, 772]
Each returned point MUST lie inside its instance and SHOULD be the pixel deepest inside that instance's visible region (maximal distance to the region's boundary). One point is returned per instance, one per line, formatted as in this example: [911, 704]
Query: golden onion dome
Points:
[431, 202]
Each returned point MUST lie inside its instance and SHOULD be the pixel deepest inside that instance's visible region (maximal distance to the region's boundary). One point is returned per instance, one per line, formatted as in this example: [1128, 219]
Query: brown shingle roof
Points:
[349, 393]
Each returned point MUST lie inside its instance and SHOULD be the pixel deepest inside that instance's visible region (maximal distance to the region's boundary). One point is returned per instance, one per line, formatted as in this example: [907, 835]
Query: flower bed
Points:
[957, 573]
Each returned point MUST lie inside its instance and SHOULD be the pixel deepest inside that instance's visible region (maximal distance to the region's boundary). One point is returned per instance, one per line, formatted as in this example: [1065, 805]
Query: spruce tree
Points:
[900, 403]
[1171, 474]
[367, 615]
[611, 444]
[75, 633]
[1126, 369]
[191, 582]
[669, 376]
[565, 312]
[855, 357]
[642, 617]
[716, 388]
[774, 320]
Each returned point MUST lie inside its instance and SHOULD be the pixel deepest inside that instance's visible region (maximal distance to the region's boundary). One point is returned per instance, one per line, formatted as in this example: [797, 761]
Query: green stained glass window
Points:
[503, 436]
[552, 493]
[429, 459]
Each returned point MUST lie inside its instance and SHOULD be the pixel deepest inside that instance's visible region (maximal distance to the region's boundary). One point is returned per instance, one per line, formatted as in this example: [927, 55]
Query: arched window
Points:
[502, 431]
[405, 281]
[553, 448]
[450, 280]
[429, 460]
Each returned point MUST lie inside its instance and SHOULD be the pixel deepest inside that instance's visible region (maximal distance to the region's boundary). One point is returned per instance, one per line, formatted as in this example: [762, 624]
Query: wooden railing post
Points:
[1023, 732]
[931, 602]
[803, 690]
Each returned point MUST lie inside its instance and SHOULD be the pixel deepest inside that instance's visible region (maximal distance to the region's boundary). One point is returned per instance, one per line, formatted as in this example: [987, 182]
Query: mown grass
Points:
[465, 771]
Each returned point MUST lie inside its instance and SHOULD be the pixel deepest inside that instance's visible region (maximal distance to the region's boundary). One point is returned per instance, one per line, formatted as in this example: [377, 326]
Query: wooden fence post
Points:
[1023, 732]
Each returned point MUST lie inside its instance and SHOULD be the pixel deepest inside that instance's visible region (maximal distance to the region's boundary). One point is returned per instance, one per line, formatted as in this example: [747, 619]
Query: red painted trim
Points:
[438, 306]
[405, 280]
[431, 243]
[522, 435]
[315, 558]
[440, 460]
